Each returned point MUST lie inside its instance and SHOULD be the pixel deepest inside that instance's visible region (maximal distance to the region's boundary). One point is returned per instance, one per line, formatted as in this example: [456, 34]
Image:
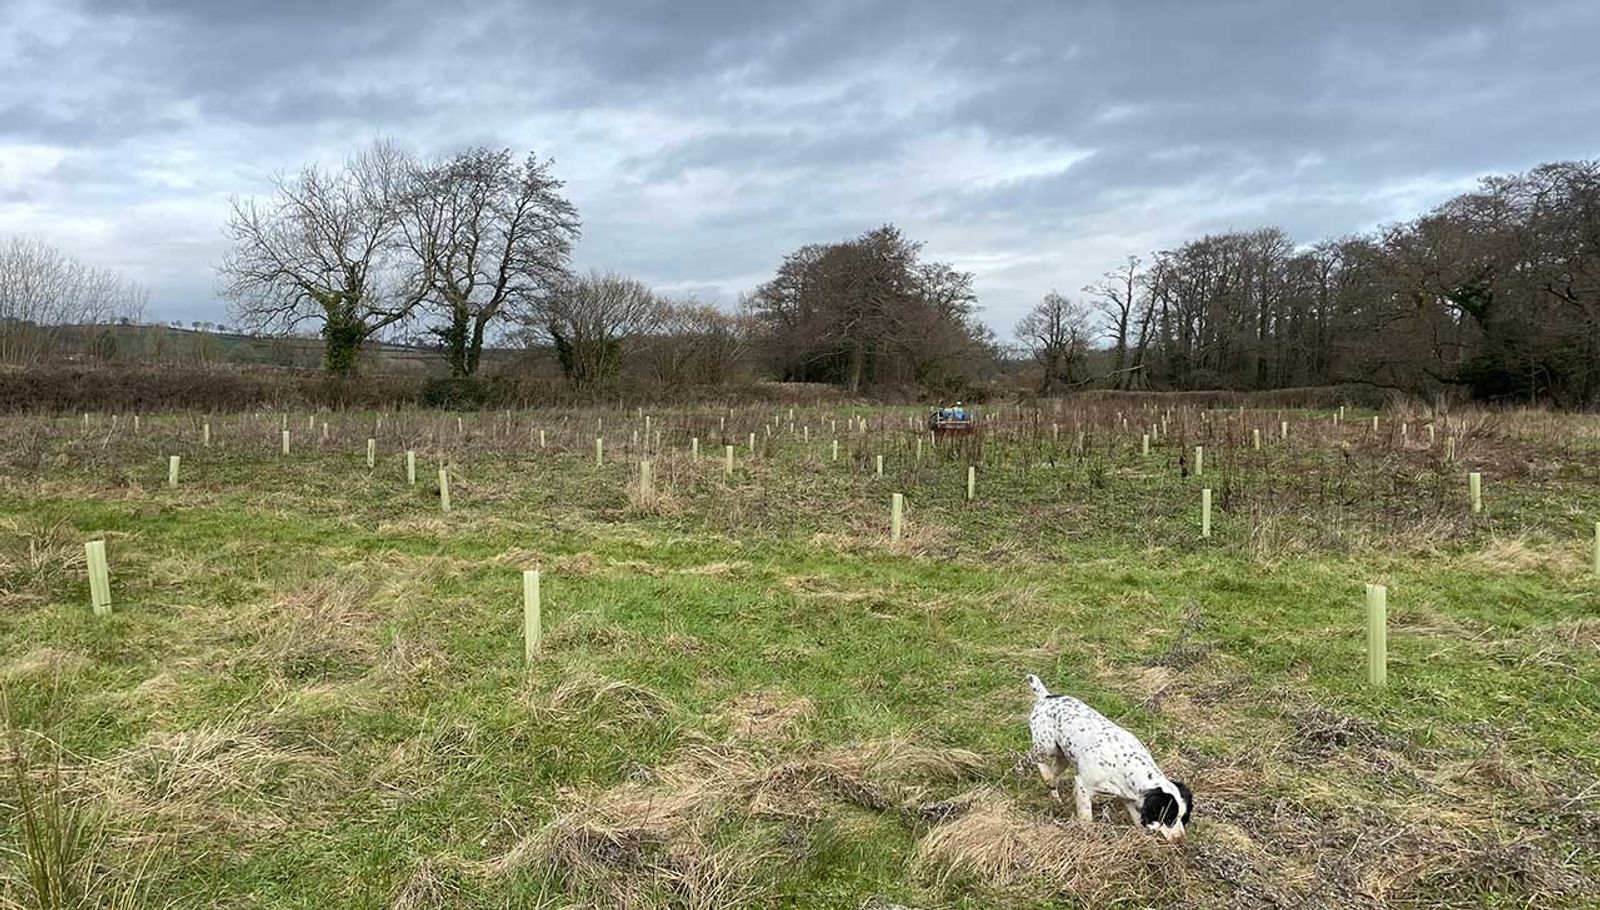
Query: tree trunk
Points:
[1263, 321]
[455, 337]
[1139, 351]
[1121, 359]
[342, 335]
[474, 354]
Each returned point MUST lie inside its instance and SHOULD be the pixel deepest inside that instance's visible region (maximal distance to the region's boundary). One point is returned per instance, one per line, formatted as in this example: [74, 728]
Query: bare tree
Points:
[591, 320]
[494, 237]
[1056, 334]
[1115, 296]
[43, 289]
[695, 345]
[720, 342]
[322, 250]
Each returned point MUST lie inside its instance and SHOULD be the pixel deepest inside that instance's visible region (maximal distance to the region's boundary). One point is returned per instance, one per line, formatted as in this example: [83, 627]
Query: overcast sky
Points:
[1035, 144]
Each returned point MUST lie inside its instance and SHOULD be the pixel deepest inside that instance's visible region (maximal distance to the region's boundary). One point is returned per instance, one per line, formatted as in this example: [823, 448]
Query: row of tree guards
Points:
[860, 424]
[1377, 598]
[1474, 478]
[1376, 595]
[599, 443]
[1156, 430]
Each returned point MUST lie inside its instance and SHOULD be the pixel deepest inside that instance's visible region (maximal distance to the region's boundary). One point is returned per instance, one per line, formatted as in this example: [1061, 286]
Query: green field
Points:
[311, 691]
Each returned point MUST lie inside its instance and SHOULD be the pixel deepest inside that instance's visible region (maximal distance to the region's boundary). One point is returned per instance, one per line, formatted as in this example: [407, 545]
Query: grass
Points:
[59, 854]
[312, 692]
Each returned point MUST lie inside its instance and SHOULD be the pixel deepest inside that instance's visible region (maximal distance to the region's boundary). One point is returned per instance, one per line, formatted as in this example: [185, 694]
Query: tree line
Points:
[1494, 294]
[43, 290]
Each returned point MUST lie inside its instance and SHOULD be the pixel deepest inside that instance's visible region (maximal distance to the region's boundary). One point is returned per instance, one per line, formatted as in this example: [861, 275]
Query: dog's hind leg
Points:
[1047, 770]
[1051, 766]
[1085, 801]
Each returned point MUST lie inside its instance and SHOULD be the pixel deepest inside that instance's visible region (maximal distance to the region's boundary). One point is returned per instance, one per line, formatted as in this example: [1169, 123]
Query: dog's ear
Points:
[1157, 808]
[1188, 800]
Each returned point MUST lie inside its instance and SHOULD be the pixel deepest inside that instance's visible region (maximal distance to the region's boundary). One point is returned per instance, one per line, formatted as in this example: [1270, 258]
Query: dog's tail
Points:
[1037, 685]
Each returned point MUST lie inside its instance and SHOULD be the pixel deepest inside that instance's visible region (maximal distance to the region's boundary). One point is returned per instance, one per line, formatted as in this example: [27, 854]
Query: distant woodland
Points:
[458, 270]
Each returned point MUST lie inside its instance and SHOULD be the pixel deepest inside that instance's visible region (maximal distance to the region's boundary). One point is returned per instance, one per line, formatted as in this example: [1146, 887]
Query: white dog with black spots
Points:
[1110, 761]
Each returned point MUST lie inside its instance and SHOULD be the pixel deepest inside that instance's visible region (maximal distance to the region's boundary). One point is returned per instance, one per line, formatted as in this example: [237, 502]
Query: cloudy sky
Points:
[1035, 144]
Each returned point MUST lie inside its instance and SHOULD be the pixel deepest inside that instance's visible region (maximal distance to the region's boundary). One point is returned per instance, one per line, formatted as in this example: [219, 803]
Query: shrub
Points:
[73, 387]
[457, 393]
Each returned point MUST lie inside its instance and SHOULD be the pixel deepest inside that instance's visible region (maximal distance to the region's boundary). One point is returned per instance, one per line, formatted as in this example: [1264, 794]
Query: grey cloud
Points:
[789, 150]
[704, 140]
[125, 111]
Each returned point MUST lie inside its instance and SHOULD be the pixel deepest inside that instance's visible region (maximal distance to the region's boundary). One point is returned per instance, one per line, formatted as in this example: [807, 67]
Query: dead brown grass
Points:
[919, 537]
[904, 762]
[577, 564]
[432, 885]
[1319, 734]
[1582, 633]
[1512, 555]
[424, 526]
[520, 558]
[411, 658]
[767, 715]
[228, 779]
[324, 628]
[1430, 866]
[998, 843]
[36, 560]
[718, 569]
[1280, 530]
[1495, 770]
[654, 840]
[650, 844]
[823, 587]
[43, 663]
[656, 502]
[608, 702]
